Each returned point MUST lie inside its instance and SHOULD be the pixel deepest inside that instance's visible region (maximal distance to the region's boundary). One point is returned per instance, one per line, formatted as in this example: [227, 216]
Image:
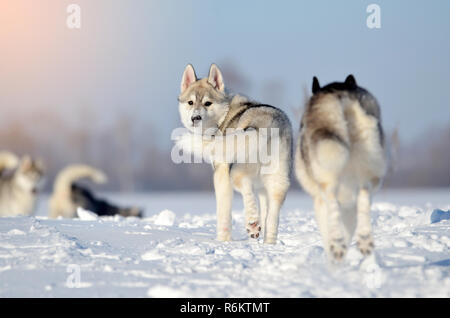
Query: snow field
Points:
[173, 253]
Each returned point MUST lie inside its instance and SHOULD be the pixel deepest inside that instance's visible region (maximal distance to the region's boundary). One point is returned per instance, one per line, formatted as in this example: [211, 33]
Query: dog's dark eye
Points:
[208, 104]
[190, 102]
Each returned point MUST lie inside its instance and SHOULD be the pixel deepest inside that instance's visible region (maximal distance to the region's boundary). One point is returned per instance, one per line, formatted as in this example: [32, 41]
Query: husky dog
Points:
[204, 103]
[18, 188]
[68, 196]
[340, 161]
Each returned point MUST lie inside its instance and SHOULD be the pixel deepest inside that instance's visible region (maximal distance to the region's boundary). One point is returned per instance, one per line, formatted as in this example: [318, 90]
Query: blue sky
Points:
[128, 56]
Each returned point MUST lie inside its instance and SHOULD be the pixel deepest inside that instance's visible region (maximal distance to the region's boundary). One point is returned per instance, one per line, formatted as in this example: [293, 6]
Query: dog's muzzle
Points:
[195, 119]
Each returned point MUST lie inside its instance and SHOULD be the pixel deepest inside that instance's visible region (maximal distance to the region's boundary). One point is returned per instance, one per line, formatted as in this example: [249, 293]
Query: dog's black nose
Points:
[196, 118]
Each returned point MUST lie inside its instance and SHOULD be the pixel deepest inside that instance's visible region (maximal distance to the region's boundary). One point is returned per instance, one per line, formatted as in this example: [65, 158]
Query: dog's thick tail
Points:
[332, 151]
[73, 173]
[8, 160]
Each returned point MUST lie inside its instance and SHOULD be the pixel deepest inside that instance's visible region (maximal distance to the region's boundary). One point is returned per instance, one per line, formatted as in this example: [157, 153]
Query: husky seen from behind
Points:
[18, 184]
[340, 160]
[204, 104]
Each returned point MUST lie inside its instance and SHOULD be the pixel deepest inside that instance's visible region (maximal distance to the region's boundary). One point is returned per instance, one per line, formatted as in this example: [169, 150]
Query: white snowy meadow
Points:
[172, 252]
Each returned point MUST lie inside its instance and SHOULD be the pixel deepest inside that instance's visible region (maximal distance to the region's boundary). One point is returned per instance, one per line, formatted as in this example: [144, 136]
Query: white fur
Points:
[194, 144]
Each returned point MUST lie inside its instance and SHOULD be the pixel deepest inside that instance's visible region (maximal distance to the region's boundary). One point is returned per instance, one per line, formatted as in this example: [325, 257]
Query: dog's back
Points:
[341, 138]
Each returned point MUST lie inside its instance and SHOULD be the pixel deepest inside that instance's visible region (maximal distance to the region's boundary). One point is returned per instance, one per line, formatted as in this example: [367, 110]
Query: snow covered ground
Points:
[172, 252]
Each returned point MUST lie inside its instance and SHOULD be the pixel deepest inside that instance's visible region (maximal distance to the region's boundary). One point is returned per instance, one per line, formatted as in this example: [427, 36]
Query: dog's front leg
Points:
[224, 198]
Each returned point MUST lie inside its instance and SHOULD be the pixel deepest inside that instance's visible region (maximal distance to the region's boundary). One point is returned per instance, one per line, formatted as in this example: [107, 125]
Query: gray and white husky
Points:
[19, 181]
[340, 160]
[210, 114]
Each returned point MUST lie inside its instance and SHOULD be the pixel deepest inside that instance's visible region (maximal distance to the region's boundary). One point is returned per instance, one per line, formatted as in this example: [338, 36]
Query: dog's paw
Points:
[365, 244]
[253, 229]
[337, 248]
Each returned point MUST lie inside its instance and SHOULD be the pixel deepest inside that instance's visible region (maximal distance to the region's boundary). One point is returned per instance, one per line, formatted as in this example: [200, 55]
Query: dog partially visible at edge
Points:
[67, 196]
[340, 161]
[205, 103]
[19, 181]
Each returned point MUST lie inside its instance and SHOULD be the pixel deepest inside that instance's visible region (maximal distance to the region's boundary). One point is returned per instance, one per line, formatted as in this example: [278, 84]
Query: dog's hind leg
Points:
[332, 155]
[364, 239]
[321, 213]
[347, 196]
[224, 198]
[276, 187]
[263, 209]
[337, 246]
[323, 221]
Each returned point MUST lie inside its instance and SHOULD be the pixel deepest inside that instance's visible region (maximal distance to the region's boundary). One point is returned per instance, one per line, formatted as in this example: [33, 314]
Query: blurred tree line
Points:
[423, 163]
[134, 162]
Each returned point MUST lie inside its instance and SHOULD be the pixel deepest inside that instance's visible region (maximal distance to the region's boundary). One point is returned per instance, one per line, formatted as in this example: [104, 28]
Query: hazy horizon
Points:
[126, 62]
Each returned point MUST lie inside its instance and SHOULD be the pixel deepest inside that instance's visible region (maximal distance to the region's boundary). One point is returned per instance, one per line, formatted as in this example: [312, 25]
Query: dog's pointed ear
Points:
[350, 81]
[315, 85]
[189, 77]
[215, 78]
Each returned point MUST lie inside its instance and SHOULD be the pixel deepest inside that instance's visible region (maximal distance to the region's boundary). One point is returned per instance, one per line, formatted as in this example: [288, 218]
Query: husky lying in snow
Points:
[19, 180]
[340, 160]
[205, 107]
[68, 196]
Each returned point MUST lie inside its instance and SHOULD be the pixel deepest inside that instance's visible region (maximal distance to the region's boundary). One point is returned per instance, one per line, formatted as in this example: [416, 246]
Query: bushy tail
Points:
[73, 173]
[332, 153]
[8, 160]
